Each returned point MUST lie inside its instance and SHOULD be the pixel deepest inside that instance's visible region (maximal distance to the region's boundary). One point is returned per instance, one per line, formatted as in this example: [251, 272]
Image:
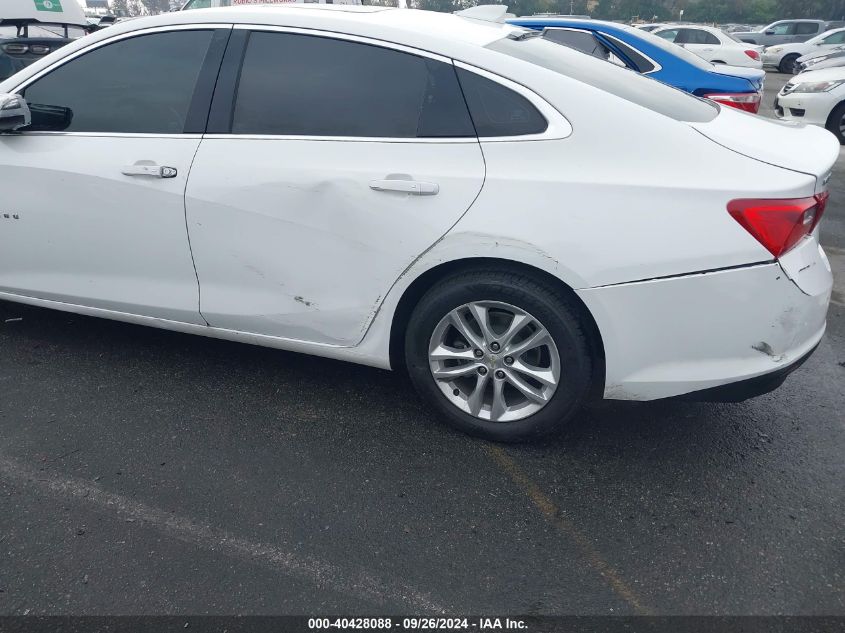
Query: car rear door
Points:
[94, 189]
[330, 164]
[805, 30]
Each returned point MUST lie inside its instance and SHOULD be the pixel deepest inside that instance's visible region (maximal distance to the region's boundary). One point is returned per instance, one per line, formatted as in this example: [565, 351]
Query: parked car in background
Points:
[817, 61]
[713, 45]
[385, 233]
[653, 56]
[816, 97]
[787, 32]
[208, 4]
[29, 31]
[784, 56]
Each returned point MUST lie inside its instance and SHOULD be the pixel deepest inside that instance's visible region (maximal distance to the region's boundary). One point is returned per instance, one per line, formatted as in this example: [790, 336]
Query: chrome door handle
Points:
[414, 187]
[156, 171]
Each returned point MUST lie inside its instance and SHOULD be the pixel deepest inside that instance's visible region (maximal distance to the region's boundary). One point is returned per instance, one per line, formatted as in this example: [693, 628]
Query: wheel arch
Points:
[833, 110]
[419, 286]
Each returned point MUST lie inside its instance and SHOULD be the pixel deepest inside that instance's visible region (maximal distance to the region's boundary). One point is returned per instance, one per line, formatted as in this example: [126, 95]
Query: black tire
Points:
[557, 312]
[834, 120]
[787, 64]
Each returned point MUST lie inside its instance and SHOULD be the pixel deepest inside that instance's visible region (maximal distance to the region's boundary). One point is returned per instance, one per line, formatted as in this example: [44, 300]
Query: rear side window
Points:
[696, 36]
[497, 110]
[139, 85]
[806, 28]
[642, 63]
[304, 85]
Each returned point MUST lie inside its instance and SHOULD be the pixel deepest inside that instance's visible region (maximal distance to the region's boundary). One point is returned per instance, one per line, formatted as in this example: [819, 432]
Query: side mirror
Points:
[14, 113]
[770, 32]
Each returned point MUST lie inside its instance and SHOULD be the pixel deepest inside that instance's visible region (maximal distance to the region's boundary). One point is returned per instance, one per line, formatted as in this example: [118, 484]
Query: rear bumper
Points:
[674, 336]
[749, 388]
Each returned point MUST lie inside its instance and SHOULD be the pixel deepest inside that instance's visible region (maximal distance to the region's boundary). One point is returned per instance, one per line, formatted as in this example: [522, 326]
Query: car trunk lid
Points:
[806, 149]
[754, 76]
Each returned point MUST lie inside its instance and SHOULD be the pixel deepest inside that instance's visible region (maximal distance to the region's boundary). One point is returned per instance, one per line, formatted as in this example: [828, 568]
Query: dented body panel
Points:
[668, 337]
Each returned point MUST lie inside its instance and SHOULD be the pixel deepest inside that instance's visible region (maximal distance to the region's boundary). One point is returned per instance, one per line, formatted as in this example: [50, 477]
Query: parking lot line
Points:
[380, 591]
[548, 508]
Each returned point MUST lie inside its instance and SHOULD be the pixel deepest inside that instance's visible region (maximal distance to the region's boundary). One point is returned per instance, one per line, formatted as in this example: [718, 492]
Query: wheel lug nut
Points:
[494, 346]
[482, 371]
[500, 374]
[479, 353]
[508, 360]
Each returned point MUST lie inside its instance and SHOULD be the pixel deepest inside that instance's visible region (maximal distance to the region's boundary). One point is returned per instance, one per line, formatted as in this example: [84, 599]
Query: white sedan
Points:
[784, 56]
[712, 44]
[816, 97]
[460, 200]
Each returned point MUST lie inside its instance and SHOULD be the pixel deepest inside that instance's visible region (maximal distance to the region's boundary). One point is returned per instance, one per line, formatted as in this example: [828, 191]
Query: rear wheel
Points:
[499, 354]
[836, 122]
[787, 64]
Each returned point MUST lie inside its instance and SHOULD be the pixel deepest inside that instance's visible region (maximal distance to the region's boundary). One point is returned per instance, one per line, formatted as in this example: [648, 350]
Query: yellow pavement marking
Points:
[548, 508]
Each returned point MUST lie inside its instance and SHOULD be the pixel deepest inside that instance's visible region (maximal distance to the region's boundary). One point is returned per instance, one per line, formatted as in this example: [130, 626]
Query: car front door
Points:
[780, 33]
[336, 165]
[94, 188]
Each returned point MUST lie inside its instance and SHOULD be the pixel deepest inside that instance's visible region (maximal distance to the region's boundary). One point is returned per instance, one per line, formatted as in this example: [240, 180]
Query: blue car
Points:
[650, 55]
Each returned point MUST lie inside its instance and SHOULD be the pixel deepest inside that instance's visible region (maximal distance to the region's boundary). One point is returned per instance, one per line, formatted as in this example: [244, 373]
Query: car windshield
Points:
[618, 81]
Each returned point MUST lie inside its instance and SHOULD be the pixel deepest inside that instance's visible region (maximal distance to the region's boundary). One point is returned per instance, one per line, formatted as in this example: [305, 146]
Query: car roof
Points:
[402, 26]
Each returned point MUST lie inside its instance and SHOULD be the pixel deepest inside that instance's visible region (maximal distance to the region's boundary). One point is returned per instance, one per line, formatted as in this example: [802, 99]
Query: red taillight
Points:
[748, 101]
[753, 55]
[779, 224]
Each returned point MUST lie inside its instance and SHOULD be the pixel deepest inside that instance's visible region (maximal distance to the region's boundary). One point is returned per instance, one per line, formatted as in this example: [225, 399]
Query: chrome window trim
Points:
[446, 140]
[343, 36]
[113, 134]
[64, 60]
[111, 40]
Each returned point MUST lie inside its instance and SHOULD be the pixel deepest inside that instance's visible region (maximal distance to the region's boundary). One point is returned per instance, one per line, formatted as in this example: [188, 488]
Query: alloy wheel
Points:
[494, 361]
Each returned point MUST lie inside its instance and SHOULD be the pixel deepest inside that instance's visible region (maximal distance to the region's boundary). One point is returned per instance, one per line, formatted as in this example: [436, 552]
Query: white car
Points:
[461, 200]
[816, 97]
[712, 44]
[784, 56]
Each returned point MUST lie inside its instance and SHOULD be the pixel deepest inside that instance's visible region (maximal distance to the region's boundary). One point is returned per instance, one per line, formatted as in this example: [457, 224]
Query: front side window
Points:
[785, 28]
[669, 35]
[143, 84]
[305, 85]
[836, 38]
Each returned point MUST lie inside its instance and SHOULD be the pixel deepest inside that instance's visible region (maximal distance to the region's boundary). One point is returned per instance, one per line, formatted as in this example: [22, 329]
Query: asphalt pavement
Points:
[148, 472]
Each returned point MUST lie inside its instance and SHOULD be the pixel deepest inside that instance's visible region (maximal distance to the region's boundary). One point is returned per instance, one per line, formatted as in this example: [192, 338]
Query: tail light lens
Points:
[779, 224]
[753, 55]
[747, 101]
[39, 49]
